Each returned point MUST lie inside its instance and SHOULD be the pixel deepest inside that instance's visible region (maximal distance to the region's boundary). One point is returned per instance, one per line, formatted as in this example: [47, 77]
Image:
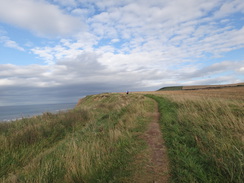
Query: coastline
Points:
[18, 112]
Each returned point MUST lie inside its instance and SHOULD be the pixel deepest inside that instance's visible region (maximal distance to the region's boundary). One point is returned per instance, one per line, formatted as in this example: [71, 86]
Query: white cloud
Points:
[71, 78]
[10, 44]
[81, 12]
[141, 27]
[66, 48]
[68, 3]
[89, 67]
[6, 82]
[126, 45]
[229, 7]
[39, 17]
[177, 26]
[241, 69]
[115, 40]
[150, 36]
[212, 70]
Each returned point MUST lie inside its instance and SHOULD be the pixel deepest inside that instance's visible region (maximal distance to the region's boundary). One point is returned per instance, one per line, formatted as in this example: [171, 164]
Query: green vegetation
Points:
[170, 88]
[96, 142]
[101, 139]
[204, 137]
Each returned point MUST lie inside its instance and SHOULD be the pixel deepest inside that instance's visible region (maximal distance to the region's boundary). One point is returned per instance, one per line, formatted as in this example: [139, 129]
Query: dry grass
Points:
[208, 126]
[211, 86]
[235, 93]
[99, 140]
[95, 142]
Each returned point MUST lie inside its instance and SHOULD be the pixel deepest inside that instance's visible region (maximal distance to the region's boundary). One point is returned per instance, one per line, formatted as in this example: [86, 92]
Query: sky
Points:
[57, 51]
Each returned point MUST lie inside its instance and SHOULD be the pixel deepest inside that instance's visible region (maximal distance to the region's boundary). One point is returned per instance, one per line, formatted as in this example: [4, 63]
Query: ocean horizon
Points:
[12, 113]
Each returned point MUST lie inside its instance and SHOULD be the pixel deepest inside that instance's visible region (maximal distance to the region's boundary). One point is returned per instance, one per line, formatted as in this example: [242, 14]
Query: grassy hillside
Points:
[200, 87]
[171, 88]
[98, 141]
[101, 139]
[204, 132]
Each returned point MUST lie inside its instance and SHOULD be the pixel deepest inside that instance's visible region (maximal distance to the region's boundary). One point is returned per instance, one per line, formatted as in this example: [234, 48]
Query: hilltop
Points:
[199, 87]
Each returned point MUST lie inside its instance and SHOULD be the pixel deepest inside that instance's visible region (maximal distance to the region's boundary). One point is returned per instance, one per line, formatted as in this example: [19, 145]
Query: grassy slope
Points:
[197, 87]
[204, 135]
[96, 142]
[171, 88]
[99, 141]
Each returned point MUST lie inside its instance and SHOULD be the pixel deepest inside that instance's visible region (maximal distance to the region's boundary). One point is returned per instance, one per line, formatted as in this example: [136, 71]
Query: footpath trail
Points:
[158, 160]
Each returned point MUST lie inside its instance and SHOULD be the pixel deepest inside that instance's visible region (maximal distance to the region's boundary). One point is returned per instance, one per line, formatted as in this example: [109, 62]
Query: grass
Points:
[204, 136]
[100, 139]
[171, 88]
[95, 142]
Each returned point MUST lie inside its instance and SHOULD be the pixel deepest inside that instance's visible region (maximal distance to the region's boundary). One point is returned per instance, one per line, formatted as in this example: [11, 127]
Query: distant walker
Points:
[127, 92]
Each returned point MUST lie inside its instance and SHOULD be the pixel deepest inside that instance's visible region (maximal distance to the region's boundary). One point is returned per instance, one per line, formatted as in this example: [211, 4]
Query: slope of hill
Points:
[100, 140]
[198, 87]
[203, 130]
[108, 138]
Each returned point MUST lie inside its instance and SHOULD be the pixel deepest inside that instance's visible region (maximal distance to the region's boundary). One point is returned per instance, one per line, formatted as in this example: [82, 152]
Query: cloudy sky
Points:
[61, 50]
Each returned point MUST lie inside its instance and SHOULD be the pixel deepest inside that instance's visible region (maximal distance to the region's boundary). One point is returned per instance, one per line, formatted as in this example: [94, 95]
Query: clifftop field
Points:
[103, 139]
[200, 87]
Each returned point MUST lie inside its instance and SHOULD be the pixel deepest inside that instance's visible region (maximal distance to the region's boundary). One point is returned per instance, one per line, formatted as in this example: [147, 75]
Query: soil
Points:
[158, 161]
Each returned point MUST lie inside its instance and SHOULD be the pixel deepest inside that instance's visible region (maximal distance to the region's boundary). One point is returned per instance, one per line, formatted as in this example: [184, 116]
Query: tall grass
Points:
[95, 142]
[204, 136]
[100, 139]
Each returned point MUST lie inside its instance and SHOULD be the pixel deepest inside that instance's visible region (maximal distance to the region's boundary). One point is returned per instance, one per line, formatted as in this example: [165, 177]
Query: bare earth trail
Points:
[158, 160]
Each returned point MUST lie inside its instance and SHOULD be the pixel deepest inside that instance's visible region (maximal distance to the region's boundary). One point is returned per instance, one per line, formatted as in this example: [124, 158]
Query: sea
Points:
[12, 113]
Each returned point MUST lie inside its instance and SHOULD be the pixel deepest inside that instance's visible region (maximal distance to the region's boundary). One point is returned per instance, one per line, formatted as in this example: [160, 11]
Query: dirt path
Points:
[158, 163]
